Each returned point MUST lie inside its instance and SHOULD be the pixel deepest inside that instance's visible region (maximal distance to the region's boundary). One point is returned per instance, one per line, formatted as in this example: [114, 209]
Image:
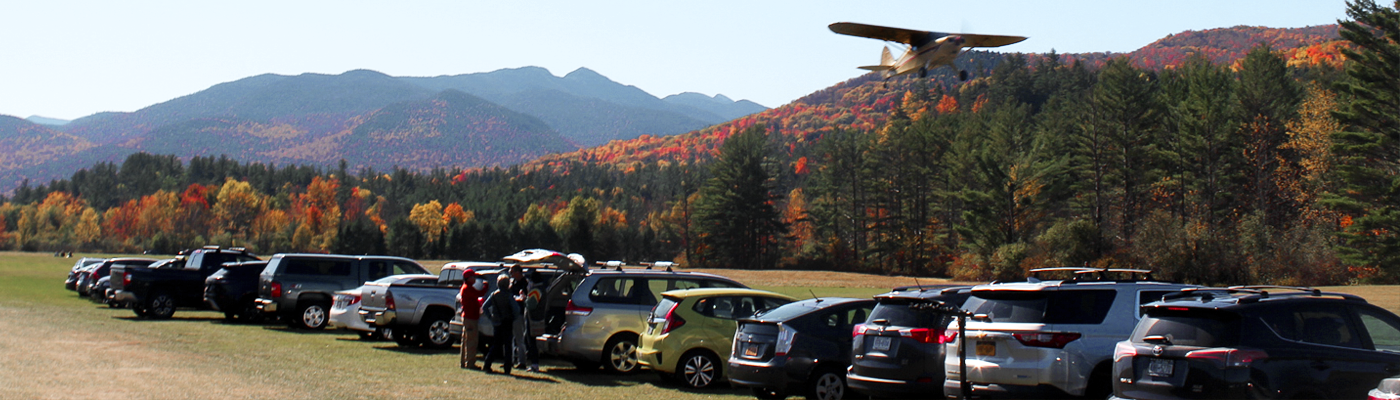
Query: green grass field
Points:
[60, 345]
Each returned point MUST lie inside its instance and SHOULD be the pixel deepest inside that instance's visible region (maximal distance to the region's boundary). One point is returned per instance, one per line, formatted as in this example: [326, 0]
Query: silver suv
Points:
[605, 310]
[1050, 338]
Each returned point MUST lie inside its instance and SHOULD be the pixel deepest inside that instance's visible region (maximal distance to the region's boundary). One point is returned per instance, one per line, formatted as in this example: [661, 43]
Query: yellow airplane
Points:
[927, 50]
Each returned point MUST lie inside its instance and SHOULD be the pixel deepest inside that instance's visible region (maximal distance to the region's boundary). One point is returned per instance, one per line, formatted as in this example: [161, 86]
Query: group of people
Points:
[508, 307]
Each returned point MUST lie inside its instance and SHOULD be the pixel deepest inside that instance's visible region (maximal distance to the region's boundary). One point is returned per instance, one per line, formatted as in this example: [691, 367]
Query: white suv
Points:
[1051, 338]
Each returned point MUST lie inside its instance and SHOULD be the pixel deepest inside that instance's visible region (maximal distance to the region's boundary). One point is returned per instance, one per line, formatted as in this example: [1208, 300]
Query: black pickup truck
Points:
[157, 292]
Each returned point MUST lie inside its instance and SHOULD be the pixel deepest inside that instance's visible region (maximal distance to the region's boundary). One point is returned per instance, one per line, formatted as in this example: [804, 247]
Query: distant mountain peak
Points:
[41, 120]
[585, 74]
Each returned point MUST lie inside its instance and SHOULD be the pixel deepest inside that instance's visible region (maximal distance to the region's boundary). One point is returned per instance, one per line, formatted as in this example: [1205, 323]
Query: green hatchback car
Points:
[691, 332]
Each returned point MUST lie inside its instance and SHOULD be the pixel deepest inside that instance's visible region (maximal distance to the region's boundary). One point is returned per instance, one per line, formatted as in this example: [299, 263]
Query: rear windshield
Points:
[245, 270]
[663, 307]
[1046, 307]
[1198, 329]
[785, 312]
[896, 312]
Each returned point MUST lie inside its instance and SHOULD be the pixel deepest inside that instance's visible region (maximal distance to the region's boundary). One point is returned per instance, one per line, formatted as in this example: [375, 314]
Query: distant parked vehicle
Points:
[690, 331]
[233, 289]
[157, 290]
[300, 287]
[83, 279]
[1388, 389]
[1050, 338]
[899, 348]
[1258, 342]
[420, 312]
[345, 312]
[72, 282]
[103, 269]
[800, 348]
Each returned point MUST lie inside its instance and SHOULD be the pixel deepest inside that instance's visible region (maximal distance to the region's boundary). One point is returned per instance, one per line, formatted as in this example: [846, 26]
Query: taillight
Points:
[949, 336]
[388, 301]
[1123, 350]
[354, 299]
[785, 337]
[276, 290]
[126, 279]
[858, 330]
[572, 309]
[1056, 340]
[1228, 358]
[673, 320]
[925, 335]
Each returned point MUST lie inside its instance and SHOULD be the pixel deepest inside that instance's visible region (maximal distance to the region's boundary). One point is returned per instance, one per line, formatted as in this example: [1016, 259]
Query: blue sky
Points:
[69, 59]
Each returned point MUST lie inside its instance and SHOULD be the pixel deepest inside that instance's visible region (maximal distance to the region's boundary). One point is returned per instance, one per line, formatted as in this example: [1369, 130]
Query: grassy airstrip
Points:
[57, 345]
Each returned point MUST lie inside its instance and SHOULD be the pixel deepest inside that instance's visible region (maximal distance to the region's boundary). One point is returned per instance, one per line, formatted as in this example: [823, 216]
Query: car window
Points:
[297, 266]
[379, 269]
[715, 283]
[734, 307]
[1314, 325]
[661, 285]
[1047, 307]
[1198, 328]
[404, 267]
[614, 290]
[1382, 329]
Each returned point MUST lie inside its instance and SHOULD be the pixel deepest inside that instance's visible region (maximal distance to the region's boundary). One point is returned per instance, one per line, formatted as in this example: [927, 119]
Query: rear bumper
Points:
[953, 389]
[895, 388]
[378, 318]
[125, 297]
[773, 375]
[266, 305]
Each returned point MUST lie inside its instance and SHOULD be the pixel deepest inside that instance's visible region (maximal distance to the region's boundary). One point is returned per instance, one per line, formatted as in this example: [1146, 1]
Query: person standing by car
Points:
[519, 287]
[499, 307]
[533, 292]
[470, 298]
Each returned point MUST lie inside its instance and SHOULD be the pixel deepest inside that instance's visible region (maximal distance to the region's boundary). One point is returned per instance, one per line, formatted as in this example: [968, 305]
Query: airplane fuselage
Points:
[934, 54]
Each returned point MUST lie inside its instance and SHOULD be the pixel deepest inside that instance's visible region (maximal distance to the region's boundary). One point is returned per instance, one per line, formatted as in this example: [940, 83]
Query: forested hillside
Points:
[1205, 170]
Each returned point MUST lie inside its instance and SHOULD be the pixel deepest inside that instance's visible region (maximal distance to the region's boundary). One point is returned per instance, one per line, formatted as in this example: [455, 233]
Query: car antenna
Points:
[814, 295]
[917, 284]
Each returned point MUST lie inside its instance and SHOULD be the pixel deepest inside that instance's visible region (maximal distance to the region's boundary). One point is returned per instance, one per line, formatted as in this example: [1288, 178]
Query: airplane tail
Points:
[886, 61]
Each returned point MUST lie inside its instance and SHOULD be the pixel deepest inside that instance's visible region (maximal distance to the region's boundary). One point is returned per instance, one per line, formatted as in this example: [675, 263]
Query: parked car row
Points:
[1097, 333]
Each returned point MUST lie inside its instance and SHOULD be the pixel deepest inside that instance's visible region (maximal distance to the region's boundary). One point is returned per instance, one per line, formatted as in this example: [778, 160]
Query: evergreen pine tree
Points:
[737, 217]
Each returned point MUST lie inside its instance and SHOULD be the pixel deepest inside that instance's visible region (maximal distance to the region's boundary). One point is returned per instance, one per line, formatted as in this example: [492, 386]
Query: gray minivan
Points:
[300, 287]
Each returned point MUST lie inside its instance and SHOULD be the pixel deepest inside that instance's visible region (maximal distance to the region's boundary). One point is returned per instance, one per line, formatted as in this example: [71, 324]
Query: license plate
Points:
[1160, 367]
[881, 343]
[751, 350]
[985, 348]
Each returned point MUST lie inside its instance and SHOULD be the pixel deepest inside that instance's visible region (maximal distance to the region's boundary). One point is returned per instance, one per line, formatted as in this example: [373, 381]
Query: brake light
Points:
[1178, 309]
[857, 330]
[785, 338]
[354, 299]
[1056, 340]
[388, 301]
[1124, 349]
[925, 335]
[673, 320]
[276, 290]
[126, 279]
[949, 336]
[572, 309]
[1228, 358]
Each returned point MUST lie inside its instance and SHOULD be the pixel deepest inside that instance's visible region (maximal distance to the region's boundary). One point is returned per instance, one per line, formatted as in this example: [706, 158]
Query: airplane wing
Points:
[907, 36]
[975, 40]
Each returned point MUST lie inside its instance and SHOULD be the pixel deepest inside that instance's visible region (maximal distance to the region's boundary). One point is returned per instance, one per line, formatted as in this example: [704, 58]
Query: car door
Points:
[1380, 335]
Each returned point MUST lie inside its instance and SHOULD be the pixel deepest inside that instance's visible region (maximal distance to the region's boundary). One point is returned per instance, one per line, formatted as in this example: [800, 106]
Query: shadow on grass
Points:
[299, 331]
[175, 318]
[422, 351]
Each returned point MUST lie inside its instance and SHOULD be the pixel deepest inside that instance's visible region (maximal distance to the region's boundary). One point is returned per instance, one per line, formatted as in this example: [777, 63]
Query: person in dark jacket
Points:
[499, 306]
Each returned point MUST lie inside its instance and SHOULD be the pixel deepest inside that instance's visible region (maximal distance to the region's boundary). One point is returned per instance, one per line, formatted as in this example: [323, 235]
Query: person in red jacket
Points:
[473, 288]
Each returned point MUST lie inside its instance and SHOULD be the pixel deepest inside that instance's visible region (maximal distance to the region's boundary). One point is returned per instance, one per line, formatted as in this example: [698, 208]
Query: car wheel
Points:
[436, 331]
[366, 336]
[311, 315]
[230, 317]
[384, 333]
[698, 370]
[826, 385]
[620, 354]
[96, 296]
[161, 306]
[767, 394]
[249, 312]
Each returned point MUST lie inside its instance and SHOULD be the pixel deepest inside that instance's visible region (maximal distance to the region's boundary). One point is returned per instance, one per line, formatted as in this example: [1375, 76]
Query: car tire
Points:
[248, 311]
[698, 370]
[767, 394]
[435, 331]
[313, 315]
[827, 384]
[620, 354]
[366, 336]
[384, 333]
[1100, 384]
[139, 310]
[160, 306]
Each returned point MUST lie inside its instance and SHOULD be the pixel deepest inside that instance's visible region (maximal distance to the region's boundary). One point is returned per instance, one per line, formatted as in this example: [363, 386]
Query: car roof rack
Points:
[921, 288]
[1087, 274]
[1255, 293]
[619, 265]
